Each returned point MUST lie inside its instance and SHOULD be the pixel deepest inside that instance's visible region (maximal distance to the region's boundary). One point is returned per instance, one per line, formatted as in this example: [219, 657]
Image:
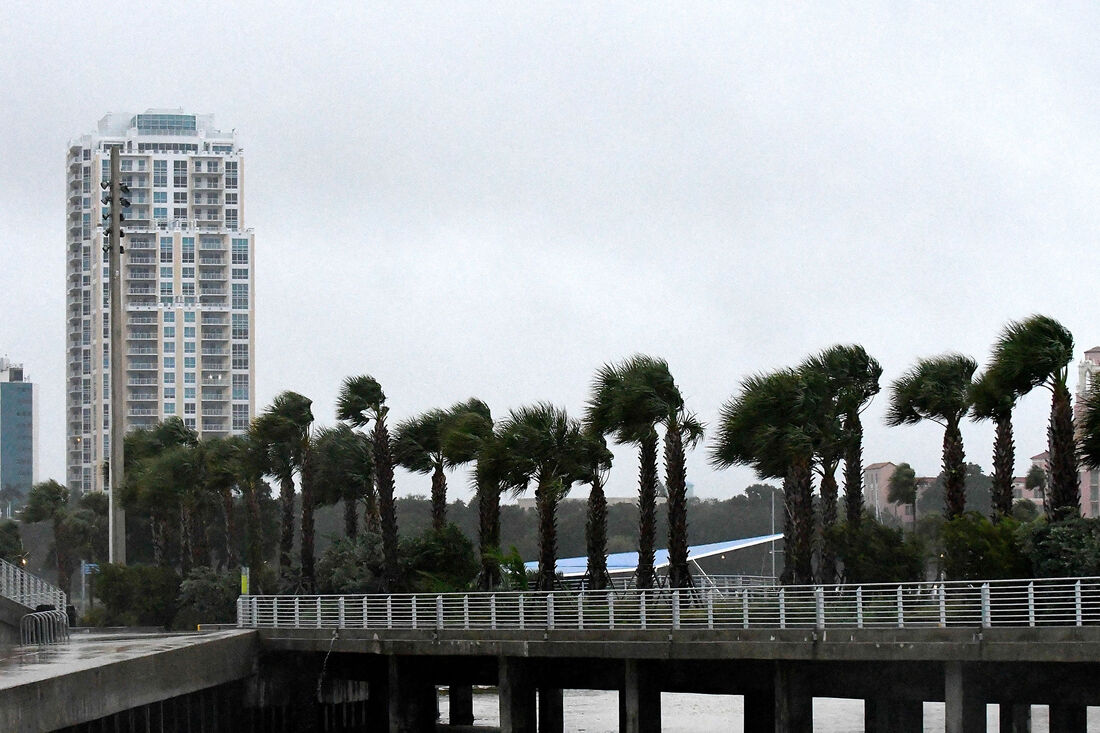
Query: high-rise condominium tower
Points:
[187, 283]
[18, 436]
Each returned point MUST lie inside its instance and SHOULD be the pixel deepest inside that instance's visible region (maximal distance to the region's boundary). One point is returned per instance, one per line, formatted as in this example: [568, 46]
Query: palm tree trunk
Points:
[309, 575]
[186, 546]
[156, 531]
[853, 469]
[799, 525]
[488, 510]
[200, 541]
[372, 518]
[595, 534]
[351, 518]
[679, 574]
[255, 538]
[827, 570]
[954, 472]
[387, 509]
[647, 510]
[1004, 460]
[439, 497]
[230, 528]
[286, 537]
[546, 504]
[1065, 489]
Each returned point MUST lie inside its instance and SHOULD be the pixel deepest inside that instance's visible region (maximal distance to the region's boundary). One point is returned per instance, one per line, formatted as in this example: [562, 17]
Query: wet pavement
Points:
[87, 650]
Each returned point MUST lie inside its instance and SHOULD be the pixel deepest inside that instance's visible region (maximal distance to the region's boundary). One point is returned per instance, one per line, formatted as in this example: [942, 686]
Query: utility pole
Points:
[116, 516]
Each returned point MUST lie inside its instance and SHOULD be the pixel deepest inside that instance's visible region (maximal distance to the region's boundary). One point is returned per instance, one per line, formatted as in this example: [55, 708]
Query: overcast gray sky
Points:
[494, 199]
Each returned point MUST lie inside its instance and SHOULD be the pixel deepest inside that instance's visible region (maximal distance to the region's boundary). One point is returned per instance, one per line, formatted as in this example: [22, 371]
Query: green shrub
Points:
[1066, 549]
[207, 596]
[975, 548]
[351, 566]
[138, 595]
[875, 553]
[439, 561]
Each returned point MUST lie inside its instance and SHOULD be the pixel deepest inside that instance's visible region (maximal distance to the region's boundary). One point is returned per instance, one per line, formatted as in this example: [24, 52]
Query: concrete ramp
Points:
[100, 675]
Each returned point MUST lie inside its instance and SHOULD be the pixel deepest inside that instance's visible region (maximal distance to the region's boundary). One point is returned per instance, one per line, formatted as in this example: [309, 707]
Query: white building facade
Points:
[187, 284]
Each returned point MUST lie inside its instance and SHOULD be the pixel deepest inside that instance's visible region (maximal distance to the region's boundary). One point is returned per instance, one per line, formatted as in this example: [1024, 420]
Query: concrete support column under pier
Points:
[412, 698]
[964, 709]
[1015, 718]
[551, 710]
[794, 705]
[517, 697]
[460, 701]
[883, 715]
[1068, 718]
[640, 699]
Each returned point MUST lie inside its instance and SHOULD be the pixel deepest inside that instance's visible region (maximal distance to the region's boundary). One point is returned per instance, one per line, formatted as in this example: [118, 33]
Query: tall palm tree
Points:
[179, 472]
[344, 471]
[470, 438]
[283, 429]
[769, 426]
[1036, 352]
[223, 475]
[361, 403]
[1089, 438]
[628, 401]
[939, 389]
[418, 447]
[544, 445]
[993, 400]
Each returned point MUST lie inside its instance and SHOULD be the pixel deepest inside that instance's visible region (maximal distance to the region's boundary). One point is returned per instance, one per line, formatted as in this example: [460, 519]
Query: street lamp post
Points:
[117, 517]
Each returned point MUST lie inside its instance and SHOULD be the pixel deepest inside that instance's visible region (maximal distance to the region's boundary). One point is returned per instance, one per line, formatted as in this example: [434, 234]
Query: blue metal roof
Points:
[627, 562]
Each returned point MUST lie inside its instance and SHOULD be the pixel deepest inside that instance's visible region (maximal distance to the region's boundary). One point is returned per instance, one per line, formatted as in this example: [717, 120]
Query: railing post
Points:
[745, 608]
[389, 612]
[550, 611]
[466, 612]
[255, 611]
[1031, 603]
[782, 609]
[365, 606]
[493, 611]
[986, 615]
[901, 608]
[414, 612]
[439, 612]
[318, 605]
[521, 619]
[610, 611]
[580, 611]
[943, 605]
[819, 602]
[859, 607]
[641, 610]
[1077, 602]
[676, 609]
[710, 609]
[297, 612]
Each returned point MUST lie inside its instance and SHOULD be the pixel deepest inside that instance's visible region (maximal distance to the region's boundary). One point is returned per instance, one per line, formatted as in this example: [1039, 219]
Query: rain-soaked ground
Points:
[85, 650]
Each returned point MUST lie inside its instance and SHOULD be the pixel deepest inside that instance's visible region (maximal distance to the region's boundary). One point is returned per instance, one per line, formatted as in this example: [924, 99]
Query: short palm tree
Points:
[1089, 439]
[939, 389]
[902, 488]
[418, 447]
[1036, 352]
[283, 429]
[470, 438]
[361, 403]
[544, 446]
[344, 471]
[993, 400]
[768, 426]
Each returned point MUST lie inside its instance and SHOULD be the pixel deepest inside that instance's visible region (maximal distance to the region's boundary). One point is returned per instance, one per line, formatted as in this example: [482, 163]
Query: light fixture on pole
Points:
[113, 248]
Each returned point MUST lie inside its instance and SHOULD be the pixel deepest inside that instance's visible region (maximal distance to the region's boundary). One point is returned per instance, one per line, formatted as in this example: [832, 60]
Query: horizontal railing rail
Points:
[980, 604]
[29, 590]
[43, 628]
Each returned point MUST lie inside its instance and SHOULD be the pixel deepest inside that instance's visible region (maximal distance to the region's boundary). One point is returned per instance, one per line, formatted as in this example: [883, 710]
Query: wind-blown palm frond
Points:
[936, 389]
[361, 399]
[1032, 352]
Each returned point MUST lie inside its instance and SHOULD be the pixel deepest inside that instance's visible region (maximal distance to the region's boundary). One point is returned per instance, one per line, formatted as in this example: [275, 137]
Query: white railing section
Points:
[1007, 603]
[44, 628]
[29, 590]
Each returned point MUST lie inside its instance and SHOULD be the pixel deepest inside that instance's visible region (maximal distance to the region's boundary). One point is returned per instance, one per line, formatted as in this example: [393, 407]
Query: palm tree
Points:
[597, 461]
[939, 389]
[1036, 352]
[49, 501]
[283, 430]
[223, 474]
[344, 469]
[1089, 440]
[542, 444]
[992, 400]
[902, 488]
[769, 426]
[628, 401]
[178, 474]
[470, 438]
[418, 447]
[362, 402]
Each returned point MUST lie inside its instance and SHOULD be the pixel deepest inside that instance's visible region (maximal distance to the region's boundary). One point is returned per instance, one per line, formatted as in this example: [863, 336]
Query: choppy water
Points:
[596, 711]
